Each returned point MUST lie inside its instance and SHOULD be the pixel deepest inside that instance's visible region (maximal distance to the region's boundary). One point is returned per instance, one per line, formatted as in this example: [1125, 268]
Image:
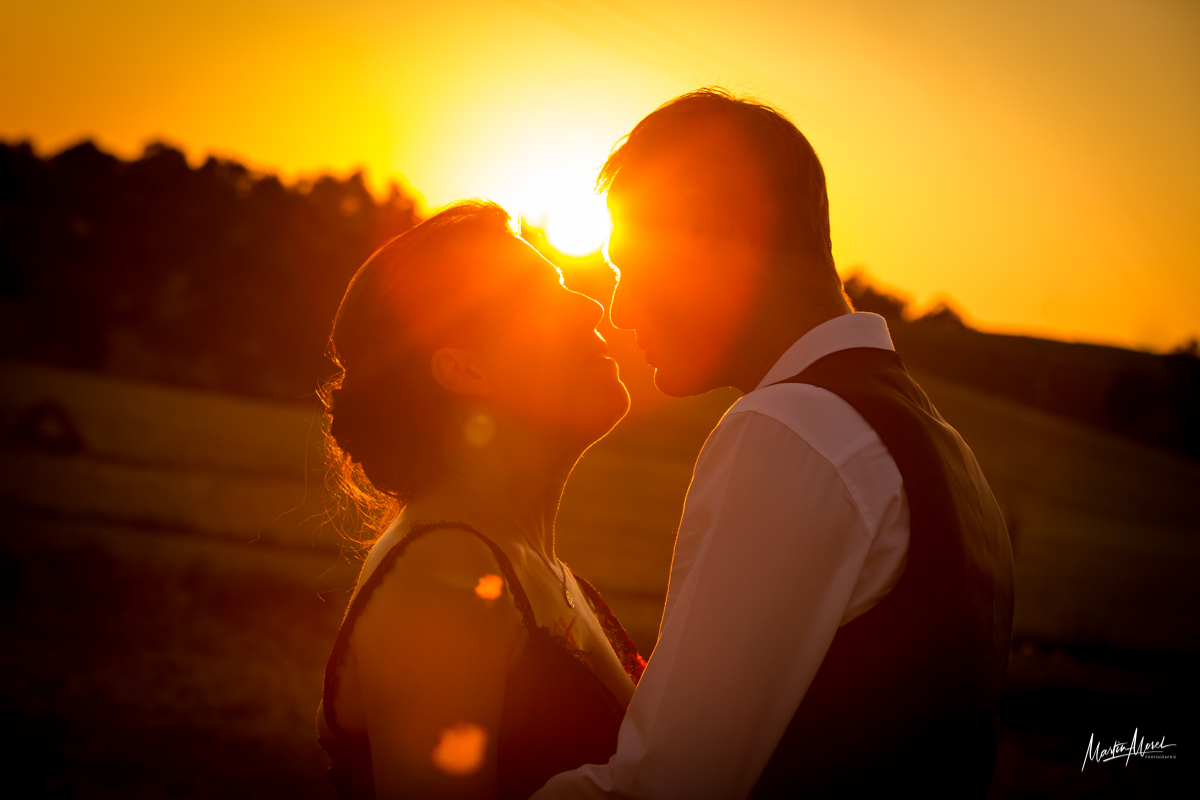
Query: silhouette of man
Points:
[840, 604]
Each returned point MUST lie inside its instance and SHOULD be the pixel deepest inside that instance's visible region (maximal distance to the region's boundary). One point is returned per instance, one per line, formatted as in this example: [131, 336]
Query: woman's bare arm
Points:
[433, 649]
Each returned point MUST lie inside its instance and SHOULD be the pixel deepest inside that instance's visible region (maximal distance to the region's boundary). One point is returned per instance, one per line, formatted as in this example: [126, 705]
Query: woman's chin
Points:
[605, 407]
[618, 393]
[620, 408]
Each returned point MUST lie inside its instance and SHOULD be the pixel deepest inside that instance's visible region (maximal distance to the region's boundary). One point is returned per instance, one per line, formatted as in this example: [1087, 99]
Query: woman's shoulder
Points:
[445, 569]
[429, 543]
[448, 553]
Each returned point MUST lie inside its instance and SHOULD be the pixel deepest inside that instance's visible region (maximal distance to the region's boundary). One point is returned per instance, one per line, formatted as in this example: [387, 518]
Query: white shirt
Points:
[796, 522]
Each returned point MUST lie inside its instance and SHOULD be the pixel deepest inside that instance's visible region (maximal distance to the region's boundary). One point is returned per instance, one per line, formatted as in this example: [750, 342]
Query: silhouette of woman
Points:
[471, 661]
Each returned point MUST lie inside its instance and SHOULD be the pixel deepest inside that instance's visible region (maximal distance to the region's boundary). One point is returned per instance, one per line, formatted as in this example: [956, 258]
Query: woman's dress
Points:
[557, 715]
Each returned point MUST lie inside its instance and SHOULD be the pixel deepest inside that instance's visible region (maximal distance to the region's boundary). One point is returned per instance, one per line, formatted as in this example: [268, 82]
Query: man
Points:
[840, 603]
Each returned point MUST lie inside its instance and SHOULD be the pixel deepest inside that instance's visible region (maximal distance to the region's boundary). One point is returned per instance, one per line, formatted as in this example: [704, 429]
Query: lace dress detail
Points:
[558, 714]
[626, 650]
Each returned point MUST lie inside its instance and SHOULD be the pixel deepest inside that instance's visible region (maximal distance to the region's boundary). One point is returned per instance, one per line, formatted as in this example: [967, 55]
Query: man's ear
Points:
[459, 371]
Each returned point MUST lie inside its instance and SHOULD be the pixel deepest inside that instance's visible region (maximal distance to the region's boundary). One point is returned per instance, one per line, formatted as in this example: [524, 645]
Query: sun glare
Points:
[577, 226]
[562, 202]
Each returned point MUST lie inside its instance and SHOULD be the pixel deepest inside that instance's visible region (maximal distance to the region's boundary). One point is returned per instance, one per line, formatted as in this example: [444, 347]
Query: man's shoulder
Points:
[815, 416]
[779, 428]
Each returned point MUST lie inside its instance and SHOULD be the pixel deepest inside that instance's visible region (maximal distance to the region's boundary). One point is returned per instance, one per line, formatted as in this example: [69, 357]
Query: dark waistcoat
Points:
[908, 695]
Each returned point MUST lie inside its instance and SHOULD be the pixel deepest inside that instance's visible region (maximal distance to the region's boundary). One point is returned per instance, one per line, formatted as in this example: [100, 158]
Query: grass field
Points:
[170, 591]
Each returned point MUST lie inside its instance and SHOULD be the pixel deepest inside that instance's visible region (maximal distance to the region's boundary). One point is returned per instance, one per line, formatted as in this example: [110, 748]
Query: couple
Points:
[840, 601]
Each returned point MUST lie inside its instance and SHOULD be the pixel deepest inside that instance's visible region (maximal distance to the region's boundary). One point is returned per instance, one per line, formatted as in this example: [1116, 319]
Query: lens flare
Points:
[480, 429]
[489, 587]
[460, 749]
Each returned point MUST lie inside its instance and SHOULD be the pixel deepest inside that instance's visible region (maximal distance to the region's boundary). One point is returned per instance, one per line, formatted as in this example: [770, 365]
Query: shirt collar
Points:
[856, 329]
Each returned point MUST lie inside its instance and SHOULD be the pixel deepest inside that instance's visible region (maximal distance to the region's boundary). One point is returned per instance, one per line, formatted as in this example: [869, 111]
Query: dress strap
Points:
[359, 601]
[510, 574]
[626, 650]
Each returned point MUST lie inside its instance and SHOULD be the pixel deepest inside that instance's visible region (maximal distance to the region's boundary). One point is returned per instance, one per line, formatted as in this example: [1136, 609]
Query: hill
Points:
[1148, 397]
[171, 588]
[1104, 529]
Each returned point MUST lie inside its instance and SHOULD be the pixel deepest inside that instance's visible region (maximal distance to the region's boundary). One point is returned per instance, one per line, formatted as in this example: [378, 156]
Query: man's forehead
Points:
[712, 162]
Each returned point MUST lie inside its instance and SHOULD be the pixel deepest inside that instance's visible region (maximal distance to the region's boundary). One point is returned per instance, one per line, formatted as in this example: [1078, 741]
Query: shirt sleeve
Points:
[769, 550]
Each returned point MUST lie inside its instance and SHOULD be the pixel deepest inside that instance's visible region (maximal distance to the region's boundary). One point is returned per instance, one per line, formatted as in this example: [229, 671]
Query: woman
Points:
[471, 661]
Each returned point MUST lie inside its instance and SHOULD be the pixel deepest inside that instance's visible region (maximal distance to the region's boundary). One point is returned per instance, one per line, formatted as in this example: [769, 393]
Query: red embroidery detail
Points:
[563, 629]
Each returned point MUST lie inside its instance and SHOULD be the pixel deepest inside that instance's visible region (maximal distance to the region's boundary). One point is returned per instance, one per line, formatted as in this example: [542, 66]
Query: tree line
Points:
[213, 276]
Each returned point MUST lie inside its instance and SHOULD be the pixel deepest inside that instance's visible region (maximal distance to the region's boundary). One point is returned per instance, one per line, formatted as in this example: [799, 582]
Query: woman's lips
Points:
[597, 348]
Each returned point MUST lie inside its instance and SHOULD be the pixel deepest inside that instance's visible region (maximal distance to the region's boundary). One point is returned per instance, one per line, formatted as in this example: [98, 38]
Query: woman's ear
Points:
[460, 372]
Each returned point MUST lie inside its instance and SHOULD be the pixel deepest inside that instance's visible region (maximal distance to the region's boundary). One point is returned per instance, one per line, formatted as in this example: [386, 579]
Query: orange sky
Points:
[1034, 162]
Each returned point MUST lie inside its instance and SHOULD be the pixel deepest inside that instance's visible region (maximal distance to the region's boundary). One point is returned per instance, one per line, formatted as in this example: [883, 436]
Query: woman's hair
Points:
[386, 417]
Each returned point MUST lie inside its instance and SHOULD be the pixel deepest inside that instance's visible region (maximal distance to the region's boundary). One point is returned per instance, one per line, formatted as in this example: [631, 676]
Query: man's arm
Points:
[769, 550]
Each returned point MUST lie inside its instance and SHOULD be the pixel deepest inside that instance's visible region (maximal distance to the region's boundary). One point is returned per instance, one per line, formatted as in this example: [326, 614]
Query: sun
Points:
[578, 226]
[560, 199]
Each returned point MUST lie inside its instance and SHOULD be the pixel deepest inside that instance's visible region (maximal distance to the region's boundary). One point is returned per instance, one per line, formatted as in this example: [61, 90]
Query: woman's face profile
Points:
[544, 359]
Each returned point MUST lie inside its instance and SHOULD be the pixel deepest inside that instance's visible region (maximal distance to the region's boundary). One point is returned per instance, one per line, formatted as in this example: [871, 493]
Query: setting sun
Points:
[558, 196]
[577, 225]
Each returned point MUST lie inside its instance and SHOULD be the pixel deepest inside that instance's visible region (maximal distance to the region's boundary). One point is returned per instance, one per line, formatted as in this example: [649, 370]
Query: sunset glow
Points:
[1032, 163]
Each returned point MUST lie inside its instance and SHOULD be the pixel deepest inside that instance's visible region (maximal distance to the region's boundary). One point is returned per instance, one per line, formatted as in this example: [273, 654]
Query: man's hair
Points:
[789, 165]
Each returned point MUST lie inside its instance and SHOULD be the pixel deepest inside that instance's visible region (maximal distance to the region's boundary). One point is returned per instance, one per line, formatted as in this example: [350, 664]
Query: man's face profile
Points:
[689, 238]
